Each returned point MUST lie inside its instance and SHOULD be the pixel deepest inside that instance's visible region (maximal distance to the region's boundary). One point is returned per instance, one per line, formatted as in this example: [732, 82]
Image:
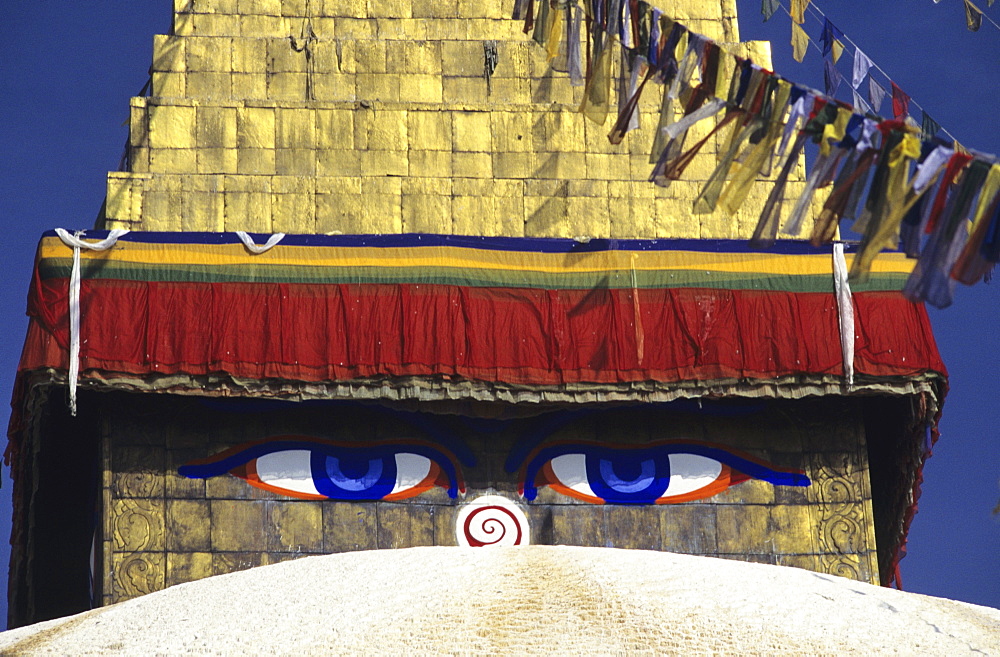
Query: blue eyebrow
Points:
[549, 423]
[425, 422]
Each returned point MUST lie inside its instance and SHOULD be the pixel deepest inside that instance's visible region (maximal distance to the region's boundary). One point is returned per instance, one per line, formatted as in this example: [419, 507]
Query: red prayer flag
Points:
[900, 102]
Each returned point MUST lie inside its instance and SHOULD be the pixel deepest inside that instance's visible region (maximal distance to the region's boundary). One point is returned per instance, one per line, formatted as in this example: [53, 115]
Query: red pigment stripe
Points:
[518, 336]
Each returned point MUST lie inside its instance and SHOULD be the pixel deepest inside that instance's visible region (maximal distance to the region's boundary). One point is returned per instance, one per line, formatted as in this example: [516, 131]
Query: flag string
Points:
[820, 16]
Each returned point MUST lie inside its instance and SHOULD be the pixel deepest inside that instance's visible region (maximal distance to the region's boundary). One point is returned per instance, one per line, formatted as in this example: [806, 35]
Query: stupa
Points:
[384, 286]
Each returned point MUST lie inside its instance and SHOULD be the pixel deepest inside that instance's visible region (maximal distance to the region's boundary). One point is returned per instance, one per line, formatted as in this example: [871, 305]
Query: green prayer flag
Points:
[768, 7]
[928, 126]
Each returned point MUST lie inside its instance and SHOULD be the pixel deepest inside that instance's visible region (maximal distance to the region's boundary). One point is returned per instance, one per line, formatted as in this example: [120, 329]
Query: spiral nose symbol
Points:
[491, 520]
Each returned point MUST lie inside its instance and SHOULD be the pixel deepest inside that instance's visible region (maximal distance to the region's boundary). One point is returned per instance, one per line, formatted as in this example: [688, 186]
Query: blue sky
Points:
[68, 69]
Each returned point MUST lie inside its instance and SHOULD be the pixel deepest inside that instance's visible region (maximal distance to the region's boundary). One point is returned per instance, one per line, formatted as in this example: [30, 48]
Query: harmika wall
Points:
[163, 528]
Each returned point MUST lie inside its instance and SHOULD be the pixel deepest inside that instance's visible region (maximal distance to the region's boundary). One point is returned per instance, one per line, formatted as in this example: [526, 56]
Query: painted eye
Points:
[317, 469]
[664, 473]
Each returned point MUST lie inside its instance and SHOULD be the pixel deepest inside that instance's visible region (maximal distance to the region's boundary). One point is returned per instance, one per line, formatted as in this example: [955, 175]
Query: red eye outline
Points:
[595, 465]
[727, 477]
[323, 467]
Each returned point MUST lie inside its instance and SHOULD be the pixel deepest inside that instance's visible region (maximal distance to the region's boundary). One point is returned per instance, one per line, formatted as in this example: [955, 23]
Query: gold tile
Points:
[187, 567]
[238, 525]
[188, 526]
[173, 160]
[414, 57]
[168, 53]
[355, 28]
[295, 162]
[215, 24]
[295, 526]
[369, 54]
[218, 160]
[249, 85]
[137, 524]
[172, 126]
[216, 127]
[168, 84]
[384, 163]
[256, 127]
[248, 211]
[472, 165]
[255, 161]
[429, 131]
[420, 88]
[434, 8]
[287, 86]
[265, 26]
[472, 131]
[250, 55]
[208, 85]
[431, 164]
[208, 54]
[338, 163]
[426, 213]
[295, 128]
[464, 90]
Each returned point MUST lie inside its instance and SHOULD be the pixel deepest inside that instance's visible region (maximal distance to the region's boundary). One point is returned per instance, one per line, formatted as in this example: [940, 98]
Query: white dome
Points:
[521, 600]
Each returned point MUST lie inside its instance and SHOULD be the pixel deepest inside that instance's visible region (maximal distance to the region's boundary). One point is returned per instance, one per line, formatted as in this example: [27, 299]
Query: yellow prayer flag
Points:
[798, 11]
[554, 34]
[986, 195]
[838, 50]
[723, 78]
[835, 131]
[800, 42]
[682, 45]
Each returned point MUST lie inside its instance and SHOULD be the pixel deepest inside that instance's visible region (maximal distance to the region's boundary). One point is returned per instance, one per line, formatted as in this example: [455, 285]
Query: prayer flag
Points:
[928, 126]
[900, 102]
[859, 102]
[798, 11]
[768, 7]
[876, 94]
[832, 77]
[800, 42]
[861, 66]
[973, 17]
[833, 39]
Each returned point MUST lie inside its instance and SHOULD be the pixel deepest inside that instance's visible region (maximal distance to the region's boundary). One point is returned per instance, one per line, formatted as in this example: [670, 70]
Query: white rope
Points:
[845, 311]
[253, 248]
[74, 241]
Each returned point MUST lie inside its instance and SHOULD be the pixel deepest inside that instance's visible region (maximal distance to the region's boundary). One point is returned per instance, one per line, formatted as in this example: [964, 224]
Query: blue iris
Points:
[628, 478]
[353, 476]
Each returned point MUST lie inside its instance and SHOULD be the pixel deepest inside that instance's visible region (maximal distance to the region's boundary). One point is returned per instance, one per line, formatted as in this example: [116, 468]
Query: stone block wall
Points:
[313, 116]
[162, 529]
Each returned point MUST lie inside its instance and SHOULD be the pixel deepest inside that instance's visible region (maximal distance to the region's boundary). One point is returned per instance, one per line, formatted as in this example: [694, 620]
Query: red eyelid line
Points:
[722, 482]
[436, 478]
[727, 477]
[553, 483]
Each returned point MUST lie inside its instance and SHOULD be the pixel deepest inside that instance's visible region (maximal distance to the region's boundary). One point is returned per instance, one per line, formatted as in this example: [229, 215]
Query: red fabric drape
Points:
[518, 336]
